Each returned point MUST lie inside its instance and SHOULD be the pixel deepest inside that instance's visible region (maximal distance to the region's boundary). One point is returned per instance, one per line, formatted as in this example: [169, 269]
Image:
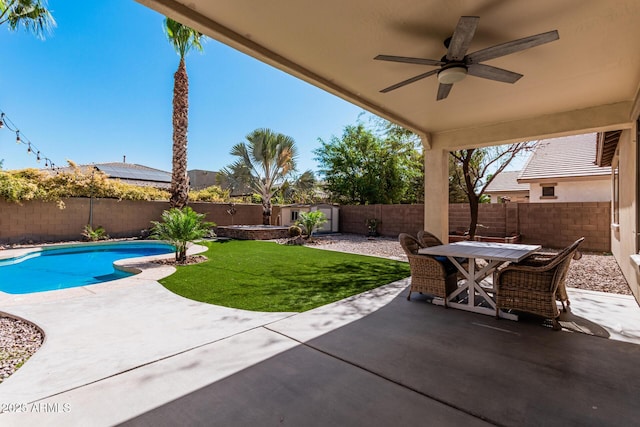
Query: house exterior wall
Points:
[623, 236]
[596, 190]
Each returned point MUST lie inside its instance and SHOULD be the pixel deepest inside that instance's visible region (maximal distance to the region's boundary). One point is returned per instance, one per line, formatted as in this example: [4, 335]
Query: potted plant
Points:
[372, 226]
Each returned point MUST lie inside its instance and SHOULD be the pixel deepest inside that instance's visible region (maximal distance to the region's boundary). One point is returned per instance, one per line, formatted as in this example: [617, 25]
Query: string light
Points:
[22, 139]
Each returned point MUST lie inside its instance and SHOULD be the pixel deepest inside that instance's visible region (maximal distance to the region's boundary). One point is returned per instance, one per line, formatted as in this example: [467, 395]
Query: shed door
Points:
[327, 225]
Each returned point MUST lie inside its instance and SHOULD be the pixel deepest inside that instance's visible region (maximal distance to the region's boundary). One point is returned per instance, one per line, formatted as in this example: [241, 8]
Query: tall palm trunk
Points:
[266, 211]
[179, 180]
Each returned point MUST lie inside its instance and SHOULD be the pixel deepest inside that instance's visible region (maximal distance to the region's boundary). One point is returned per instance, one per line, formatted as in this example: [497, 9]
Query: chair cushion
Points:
[448, 265]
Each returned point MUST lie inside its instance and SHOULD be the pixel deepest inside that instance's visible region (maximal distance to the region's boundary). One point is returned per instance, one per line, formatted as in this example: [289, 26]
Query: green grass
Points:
[266, 276]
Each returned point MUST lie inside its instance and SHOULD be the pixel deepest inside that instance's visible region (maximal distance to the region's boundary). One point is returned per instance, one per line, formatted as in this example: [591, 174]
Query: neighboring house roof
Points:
[506, 181]
[129, 173]
[566, 157]
[200, 179]
[135, 174]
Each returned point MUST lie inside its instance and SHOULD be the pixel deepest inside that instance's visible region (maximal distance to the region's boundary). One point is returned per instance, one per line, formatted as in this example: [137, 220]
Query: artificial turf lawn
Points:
[266, 276]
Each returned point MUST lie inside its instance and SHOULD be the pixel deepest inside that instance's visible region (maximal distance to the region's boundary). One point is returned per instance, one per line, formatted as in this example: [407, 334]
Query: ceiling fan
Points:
[456, 64]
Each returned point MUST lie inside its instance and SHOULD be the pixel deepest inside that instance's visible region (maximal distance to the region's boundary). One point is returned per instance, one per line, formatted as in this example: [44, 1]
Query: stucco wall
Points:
[623, 238]
[598, 190]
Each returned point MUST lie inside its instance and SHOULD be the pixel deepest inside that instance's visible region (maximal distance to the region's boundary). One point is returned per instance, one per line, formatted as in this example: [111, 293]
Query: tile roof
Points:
[566, 157]
[506, 181]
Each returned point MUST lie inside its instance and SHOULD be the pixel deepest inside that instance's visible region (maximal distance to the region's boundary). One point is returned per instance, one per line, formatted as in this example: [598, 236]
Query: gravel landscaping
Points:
[594, 272]
[19, 340]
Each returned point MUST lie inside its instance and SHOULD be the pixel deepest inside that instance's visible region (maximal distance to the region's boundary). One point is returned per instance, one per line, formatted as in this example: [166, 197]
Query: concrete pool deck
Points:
[136, 349]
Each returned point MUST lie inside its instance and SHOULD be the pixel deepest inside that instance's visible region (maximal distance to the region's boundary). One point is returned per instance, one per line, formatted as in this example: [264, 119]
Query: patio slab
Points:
[143, 354]
[413, 363]
[90, 338]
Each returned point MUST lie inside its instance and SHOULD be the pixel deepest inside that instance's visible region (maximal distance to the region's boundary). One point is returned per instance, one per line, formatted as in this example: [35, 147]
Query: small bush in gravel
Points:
[295, 231]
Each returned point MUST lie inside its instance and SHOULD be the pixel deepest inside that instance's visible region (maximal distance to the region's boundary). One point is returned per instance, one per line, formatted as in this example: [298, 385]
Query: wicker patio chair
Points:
[427, 240]
[428, 275]
[540, 258]
[533, 289]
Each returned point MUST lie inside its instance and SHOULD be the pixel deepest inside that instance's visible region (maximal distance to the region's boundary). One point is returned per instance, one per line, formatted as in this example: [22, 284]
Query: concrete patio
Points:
[142, 355]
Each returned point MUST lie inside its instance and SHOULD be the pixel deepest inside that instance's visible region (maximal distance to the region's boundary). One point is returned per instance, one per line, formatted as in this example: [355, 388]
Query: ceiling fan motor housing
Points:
[452, 73]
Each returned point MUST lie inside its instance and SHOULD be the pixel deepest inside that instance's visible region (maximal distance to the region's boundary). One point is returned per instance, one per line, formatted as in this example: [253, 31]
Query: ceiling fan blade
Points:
[408, 81]
[462, 36]
[512, 47]
[443, 91]
[493, 73]
[408, 60]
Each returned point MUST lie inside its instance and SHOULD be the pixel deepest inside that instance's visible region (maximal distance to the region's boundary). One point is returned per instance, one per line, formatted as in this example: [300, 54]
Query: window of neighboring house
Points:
[294, 215]
[548, 191]
[616, 196]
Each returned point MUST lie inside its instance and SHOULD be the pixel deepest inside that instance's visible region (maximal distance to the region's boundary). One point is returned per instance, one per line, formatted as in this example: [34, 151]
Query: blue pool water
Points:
[62, 268]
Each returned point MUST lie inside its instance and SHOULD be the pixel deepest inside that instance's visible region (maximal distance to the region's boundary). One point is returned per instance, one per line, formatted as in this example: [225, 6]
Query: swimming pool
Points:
[68, 267]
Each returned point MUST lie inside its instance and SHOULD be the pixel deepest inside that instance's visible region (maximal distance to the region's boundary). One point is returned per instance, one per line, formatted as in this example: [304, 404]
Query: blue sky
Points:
[100, 87]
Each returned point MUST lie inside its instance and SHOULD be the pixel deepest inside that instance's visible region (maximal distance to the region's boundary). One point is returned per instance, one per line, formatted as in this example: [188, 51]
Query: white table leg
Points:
[472, 285]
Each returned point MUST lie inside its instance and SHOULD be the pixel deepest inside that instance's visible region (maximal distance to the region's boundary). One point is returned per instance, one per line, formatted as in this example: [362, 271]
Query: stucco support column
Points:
[436, 192]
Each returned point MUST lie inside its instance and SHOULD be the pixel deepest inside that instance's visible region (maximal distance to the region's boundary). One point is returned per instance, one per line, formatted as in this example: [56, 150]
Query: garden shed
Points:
[289, 215]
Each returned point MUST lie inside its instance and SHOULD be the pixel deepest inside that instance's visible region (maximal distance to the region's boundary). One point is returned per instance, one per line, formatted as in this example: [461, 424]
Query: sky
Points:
[100, 87]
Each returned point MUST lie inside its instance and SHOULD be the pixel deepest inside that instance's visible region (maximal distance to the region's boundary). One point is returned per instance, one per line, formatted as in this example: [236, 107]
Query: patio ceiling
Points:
[586, 81]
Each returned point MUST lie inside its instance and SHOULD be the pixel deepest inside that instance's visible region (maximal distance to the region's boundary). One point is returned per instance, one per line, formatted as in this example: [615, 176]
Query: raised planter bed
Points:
[252, 232]
[510, 239]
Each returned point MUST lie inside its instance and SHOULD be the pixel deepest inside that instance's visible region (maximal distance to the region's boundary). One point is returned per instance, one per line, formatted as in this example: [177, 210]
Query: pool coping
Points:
[143, 268]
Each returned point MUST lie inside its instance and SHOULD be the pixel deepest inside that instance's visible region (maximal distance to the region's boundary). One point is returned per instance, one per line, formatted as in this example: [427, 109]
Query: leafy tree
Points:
[364, 168]
[471, 172]
[181, 227]
[33, 15]
[310, 221]
[183, 39]
[264, 164]
[408, 146]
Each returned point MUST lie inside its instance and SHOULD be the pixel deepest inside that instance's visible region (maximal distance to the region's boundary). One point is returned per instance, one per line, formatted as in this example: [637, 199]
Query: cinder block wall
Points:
[553, 225]
[549, 224]
[491, 218]
[46, 222]
[395, 219]
[560, 224]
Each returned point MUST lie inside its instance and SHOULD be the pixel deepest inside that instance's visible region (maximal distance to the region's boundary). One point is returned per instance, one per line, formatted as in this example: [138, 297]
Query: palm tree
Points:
[264, 163]
[181, 227]
[183, 40]
[31, 14]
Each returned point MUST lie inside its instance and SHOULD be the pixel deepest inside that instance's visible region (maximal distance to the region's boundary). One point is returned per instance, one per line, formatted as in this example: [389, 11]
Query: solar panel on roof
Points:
[135, 173]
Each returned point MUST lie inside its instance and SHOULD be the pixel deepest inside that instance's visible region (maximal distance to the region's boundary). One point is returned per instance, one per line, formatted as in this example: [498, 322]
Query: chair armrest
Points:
[536, 259]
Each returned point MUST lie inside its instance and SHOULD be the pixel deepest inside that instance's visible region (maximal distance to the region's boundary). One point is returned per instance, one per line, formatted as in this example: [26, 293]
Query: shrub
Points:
[311, 221]
[295, 231]
[210, 194]
[94, 235]
[33, 184]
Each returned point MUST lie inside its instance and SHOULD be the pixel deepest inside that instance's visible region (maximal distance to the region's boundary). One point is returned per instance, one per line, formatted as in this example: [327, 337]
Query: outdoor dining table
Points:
[478, 300]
